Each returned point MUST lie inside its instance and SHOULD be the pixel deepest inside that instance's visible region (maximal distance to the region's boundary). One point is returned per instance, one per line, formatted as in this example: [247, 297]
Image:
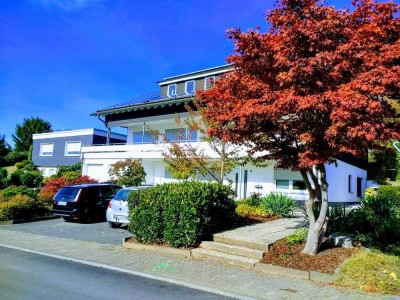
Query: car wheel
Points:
[90, 217]
[67, 219]
[114, 225]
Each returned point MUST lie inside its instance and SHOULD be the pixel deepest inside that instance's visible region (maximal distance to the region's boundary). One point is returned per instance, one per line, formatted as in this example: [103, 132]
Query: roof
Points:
[144, 101]
[153, 99]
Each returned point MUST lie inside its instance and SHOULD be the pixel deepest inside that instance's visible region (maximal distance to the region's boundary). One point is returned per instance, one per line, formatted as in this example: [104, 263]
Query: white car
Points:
[117, 211]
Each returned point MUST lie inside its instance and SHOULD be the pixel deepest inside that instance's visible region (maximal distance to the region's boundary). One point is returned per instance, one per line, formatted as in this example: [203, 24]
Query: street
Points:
[25, 275]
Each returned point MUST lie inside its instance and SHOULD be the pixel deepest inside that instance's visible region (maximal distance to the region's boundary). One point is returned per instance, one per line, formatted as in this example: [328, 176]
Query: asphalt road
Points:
[25, 275]
[94, 232]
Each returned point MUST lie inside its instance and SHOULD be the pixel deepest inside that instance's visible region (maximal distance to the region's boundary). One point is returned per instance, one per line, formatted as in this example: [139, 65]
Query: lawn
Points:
[10, 169]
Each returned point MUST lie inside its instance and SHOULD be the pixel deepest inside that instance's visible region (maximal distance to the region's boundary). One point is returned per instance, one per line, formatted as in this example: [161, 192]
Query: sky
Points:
[62, 60]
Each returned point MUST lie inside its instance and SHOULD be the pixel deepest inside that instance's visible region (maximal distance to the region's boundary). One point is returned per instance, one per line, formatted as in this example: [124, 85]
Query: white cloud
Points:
[68, 4]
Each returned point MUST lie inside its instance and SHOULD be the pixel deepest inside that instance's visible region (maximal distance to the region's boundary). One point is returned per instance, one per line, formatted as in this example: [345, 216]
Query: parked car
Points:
[87, 202]
[117, 211]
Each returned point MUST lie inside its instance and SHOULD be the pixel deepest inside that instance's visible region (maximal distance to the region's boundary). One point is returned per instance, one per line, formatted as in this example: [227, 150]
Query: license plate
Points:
[121, 219]
[62, 203]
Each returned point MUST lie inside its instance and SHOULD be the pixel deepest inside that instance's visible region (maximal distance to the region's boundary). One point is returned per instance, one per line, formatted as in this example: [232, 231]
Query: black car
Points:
[87, 202]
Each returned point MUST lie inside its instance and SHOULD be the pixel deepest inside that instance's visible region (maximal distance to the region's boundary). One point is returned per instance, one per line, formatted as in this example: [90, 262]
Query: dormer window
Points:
[189, 87]
[208, 82]
[172, 90]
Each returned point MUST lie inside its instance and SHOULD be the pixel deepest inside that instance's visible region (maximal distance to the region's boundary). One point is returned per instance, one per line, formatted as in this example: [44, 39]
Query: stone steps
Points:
[220, 238]
[232, 249]
[225, 257]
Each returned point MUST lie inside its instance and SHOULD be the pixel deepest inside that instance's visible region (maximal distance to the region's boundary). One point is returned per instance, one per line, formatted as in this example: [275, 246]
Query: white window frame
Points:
[72, 142]
[41, 153]
[205, 81]
[194, 87]
[168, 91]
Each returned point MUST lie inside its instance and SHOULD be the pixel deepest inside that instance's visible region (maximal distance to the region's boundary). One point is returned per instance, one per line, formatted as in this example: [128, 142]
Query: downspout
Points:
[108, 130]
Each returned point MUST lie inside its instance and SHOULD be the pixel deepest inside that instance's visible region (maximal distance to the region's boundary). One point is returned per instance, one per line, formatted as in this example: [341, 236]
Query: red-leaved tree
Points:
[314, 86]
[51, 188]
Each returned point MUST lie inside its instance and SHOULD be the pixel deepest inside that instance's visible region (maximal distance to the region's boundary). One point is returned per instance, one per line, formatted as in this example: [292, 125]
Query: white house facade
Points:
[158, 111]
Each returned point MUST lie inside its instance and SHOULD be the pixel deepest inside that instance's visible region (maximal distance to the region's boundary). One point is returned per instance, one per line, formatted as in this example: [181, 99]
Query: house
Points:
[63, 148]
[158, 110]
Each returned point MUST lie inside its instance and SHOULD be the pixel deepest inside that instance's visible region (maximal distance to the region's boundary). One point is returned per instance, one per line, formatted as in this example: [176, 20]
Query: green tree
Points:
[128, 172]
[4, 149]
[23, 132]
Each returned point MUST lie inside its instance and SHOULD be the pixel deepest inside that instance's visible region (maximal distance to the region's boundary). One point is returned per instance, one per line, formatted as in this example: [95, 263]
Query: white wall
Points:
[338, 190]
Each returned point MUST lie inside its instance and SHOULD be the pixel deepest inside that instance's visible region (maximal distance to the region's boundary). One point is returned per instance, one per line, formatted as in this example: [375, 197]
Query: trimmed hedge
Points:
[181, 214]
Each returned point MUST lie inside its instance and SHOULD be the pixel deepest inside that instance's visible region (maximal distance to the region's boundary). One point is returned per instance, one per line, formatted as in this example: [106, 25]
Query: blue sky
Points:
[63, 59]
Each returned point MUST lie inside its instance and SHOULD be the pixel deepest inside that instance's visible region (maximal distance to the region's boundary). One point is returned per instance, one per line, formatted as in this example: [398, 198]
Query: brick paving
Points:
[203, 274]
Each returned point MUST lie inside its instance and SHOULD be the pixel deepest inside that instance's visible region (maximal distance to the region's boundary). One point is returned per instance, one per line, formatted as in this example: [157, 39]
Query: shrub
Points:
[182, 214]
[390, 193]
[53, 185]
[279, 205]
[18, 190]
[15, 156]
[61, 170]
[31, 178]
[71, 175]
[22, 207]
[254, 200]
[15, 177]
[245, 210]
[297, 237]
[128, 172]
[145, 213]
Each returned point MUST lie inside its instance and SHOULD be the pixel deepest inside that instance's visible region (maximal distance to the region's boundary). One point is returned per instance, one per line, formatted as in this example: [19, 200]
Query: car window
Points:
[90, 193]
[106, 191]
[122, 195]
[67, 194]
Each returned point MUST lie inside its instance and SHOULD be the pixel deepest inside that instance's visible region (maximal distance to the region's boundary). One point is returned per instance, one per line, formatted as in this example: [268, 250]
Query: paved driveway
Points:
[94, 232]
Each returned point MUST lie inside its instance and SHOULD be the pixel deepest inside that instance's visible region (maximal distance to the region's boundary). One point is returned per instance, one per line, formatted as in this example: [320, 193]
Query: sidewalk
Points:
[196, 273]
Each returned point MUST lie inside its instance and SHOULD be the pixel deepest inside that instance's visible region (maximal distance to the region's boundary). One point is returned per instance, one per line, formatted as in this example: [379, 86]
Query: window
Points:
[46, 149]
[191, 135]
[180, 134]
[189, 87]
[208, 82]
[282, 184]
[72, 148]
[349, 184]
[172, 90]
[299, 185]
[140, 137]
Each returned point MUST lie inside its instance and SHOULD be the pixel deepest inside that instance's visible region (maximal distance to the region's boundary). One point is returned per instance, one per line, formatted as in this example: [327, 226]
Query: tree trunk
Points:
[317, 228]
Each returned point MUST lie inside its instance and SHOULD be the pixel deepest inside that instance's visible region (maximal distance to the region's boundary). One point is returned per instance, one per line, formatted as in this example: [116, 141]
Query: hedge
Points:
[181, 214]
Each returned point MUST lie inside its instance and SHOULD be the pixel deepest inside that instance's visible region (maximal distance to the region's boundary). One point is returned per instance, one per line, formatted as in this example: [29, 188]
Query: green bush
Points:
[145, 213]
[245, 210]
[31, 178]
[254, 200]
[375, 223]
[11, 191]
[13, 157]
[279, 205]
[181, 214]
[22, 207]
[15, 177]
[297, 237]
[62, 170]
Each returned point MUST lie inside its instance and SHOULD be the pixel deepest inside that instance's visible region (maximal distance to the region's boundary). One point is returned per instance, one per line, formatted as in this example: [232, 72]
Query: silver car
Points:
[117, 211]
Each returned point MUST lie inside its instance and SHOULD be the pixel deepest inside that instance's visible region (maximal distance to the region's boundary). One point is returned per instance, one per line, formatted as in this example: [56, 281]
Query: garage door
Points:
[96, 171]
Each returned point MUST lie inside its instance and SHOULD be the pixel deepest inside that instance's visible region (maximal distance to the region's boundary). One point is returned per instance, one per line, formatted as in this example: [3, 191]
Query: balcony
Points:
[138, 151]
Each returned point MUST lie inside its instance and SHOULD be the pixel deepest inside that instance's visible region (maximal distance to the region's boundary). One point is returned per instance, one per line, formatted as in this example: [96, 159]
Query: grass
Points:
[372, 271]
[10, 169]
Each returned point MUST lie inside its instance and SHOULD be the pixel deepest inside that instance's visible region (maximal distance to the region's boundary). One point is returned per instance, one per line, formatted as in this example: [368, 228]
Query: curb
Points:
[36, 219]
[169, 250]
[258, 267]
[294, 273]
